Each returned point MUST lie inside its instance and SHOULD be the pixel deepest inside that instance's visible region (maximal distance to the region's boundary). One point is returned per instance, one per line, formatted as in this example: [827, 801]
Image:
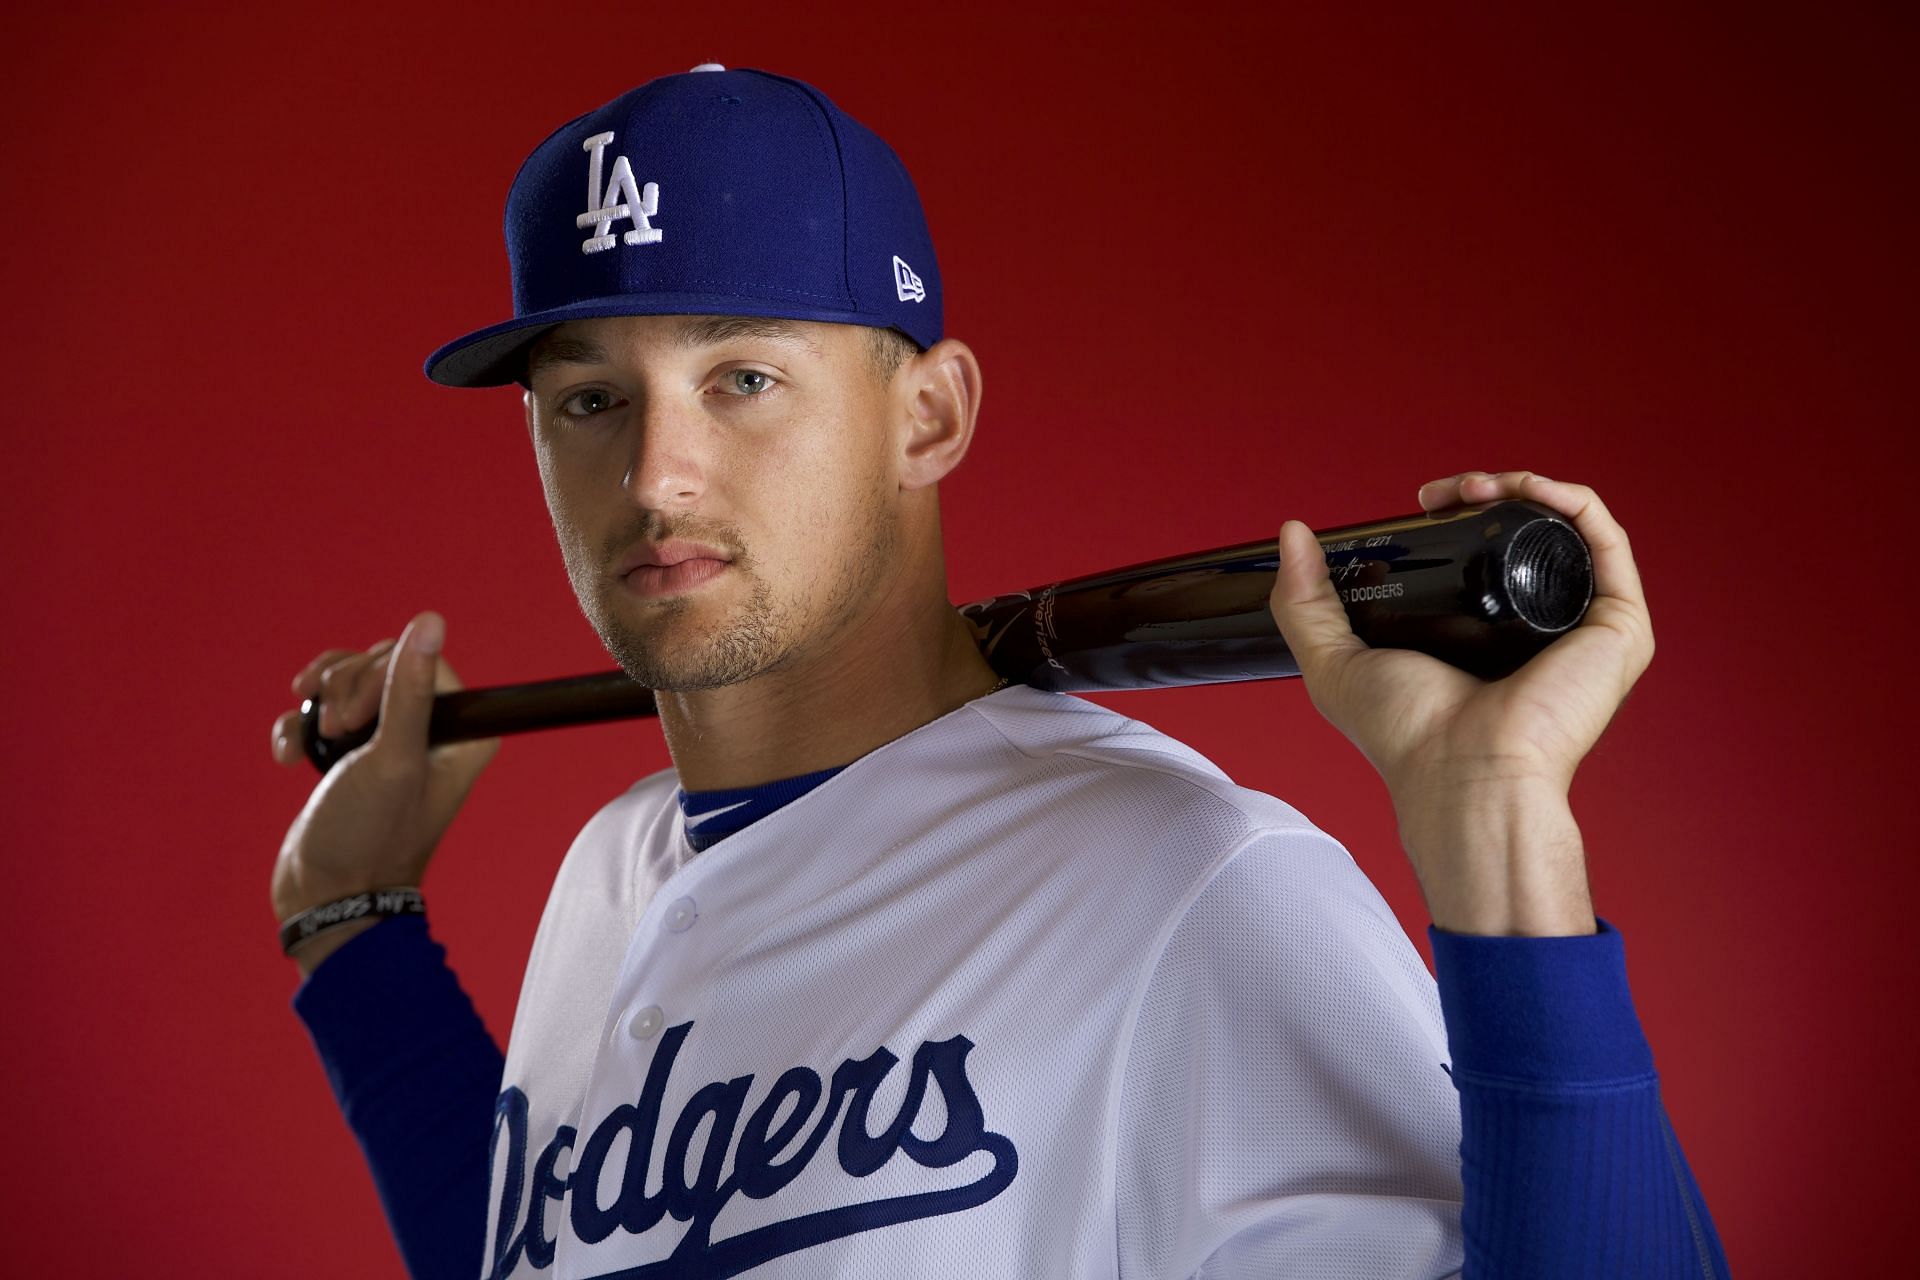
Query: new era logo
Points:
[906, 283]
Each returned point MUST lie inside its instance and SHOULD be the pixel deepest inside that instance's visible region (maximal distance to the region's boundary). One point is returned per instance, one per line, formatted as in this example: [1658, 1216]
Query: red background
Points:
[1219, 271]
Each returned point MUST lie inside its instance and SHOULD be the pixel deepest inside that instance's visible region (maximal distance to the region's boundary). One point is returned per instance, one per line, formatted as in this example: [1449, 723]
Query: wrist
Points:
[1498, 857]
[310, 954]
[312, 935]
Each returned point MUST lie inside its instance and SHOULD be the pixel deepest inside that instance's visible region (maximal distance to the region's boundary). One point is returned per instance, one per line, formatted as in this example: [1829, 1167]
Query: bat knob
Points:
[326, 752]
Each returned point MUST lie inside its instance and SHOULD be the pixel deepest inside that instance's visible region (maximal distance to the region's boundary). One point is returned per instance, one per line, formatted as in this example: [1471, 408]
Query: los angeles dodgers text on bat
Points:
[1381, 591]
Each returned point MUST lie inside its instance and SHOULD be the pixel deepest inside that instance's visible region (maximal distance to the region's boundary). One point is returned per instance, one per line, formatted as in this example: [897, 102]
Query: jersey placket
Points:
[698, 916]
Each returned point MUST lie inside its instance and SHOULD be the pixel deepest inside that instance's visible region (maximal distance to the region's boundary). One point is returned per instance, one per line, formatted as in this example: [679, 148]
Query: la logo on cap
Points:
[621, 200]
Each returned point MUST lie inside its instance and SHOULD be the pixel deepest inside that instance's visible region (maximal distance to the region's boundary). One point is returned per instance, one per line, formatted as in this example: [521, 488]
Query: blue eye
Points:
[600, 400]
[739, 380]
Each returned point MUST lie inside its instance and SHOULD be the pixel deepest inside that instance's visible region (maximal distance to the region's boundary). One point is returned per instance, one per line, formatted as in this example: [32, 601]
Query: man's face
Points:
[766, 442]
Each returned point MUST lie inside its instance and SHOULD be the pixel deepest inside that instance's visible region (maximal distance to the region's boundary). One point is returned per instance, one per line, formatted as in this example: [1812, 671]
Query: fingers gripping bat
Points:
[1483, 588]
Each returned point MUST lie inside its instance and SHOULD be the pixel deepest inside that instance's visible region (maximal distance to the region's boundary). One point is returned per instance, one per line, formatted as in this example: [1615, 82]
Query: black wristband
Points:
[374, 904]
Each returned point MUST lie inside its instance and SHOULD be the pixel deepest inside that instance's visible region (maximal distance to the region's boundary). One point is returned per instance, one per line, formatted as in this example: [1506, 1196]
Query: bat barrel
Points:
[1483, 589]
[1548, 574]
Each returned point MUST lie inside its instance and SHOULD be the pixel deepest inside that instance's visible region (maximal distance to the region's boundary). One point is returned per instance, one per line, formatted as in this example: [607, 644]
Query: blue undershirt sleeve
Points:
[1569, 1164]
[416, 1075]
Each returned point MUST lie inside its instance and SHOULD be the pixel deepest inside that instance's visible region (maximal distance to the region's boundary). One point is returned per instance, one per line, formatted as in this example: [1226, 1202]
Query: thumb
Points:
[1307, 609]
[406, 703]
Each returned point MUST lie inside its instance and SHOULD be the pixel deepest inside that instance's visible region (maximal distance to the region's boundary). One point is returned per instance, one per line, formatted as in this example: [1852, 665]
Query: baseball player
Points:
[900, 971]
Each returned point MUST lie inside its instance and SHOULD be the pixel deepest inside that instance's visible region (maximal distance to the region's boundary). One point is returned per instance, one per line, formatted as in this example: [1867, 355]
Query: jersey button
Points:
[646, 1023]
[680, 915]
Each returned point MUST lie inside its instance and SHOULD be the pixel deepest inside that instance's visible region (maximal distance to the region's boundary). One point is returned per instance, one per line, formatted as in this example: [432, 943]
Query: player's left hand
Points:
[1479, 770]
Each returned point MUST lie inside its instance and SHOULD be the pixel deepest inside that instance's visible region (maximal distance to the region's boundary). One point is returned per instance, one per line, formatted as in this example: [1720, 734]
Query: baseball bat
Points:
[1482, 588]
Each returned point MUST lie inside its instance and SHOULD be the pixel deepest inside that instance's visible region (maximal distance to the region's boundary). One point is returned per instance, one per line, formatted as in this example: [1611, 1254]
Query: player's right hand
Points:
[375, 818]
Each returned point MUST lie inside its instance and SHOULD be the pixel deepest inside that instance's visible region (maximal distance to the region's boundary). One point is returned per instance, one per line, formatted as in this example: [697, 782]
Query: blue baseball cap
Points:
[712, 192]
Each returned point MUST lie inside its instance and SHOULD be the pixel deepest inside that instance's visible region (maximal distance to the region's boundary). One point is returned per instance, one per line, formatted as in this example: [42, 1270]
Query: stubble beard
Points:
[759, 636]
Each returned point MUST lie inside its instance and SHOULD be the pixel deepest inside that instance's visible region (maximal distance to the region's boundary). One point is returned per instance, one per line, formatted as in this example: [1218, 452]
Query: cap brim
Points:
[497, 355]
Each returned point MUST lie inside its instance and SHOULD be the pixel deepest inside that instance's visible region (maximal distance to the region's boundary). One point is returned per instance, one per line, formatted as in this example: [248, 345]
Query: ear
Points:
[939, 390]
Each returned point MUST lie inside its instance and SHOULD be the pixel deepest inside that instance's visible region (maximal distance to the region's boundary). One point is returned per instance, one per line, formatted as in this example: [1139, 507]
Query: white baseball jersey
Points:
[1032, 991]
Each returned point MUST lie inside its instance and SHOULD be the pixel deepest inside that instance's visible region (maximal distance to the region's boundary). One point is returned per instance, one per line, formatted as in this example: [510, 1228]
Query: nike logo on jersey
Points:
[760, 1166]
[711, 814]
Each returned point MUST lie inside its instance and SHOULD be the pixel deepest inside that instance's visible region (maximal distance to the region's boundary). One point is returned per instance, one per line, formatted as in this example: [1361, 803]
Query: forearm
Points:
[1569, 1164]
[1496, 857]
[416, 1075]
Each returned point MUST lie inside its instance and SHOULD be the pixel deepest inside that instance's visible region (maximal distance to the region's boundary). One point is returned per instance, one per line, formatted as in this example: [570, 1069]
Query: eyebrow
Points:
[694, 332]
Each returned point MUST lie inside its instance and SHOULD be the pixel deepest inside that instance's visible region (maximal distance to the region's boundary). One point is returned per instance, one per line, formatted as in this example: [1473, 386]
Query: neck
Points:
[911, 660]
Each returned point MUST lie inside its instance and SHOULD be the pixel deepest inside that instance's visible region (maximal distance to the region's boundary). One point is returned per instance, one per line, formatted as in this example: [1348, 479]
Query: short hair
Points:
[887, 350]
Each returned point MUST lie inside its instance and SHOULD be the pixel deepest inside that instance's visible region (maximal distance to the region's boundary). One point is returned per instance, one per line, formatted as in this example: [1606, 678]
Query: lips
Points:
[667, 554]
[671, 568]
[652, 580]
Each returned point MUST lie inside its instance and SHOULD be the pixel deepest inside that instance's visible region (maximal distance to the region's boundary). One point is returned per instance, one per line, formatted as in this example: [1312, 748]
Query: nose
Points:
[667, 465]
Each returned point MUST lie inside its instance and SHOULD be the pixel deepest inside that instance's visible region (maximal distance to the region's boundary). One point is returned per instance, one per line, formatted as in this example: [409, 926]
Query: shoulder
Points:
[1122, 760]
[634, 809]
[639, 818]
[1146, 803]
[646, 796]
